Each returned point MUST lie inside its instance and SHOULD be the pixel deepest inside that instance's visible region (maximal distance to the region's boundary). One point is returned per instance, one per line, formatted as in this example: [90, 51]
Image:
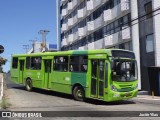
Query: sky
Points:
[20, 21]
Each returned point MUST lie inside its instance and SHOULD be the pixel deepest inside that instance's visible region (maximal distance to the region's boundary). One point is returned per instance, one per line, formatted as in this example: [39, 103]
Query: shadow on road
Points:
[98, 102]
[67, 96]
[11, 85]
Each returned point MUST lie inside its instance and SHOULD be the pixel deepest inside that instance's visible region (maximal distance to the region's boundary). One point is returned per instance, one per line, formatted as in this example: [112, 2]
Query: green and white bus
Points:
[106, 74]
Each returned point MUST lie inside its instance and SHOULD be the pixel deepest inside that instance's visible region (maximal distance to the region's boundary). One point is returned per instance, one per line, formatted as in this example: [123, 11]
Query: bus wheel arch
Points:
[28, 84]
[78, 92]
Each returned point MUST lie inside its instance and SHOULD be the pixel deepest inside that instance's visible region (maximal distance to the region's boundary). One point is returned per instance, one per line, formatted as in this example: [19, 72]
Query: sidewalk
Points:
[147, 99]
[1, 86]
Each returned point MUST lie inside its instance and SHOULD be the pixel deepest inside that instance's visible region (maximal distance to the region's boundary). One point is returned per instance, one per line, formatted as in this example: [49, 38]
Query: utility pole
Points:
[33, 44]
[44, 34]
[26, 47]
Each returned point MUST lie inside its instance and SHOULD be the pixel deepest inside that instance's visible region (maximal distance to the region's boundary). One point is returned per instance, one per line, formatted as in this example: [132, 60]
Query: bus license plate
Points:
[127, 94]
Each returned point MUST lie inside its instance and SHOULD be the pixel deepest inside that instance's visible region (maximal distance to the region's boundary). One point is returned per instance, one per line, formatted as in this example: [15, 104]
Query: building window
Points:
[149, 43]
[90, 38]
[15, 62]
[126, 20]
[148, 9]
[126, 46]
[97, 13]
[117, 26]
[98, 35]
[122, 46]
[112, 28]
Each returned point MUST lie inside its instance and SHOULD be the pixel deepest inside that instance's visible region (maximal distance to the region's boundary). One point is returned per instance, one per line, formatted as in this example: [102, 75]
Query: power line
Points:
[26, 48]
[143, 17]
[138, 19]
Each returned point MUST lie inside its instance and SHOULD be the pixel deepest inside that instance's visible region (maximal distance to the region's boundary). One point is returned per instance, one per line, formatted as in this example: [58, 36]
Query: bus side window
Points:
[15, 62]
[78, 63]
[61, 63]
[74, 64]
[94, 68]
[36, 63]
[83, 63]
[101, 69]
[106, 76]
[33, 63]
[28, 63]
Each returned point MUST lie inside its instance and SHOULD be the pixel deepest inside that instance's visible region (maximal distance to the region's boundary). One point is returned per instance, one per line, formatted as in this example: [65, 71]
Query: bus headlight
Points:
[113, 88]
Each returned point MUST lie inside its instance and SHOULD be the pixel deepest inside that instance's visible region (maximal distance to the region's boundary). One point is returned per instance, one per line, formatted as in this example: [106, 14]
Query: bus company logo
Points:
[6, 114]
[20, 115]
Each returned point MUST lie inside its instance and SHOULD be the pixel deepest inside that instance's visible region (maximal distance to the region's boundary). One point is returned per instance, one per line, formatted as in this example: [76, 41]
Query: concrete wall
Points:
[135, 37]
[156, 4]
[145, 29]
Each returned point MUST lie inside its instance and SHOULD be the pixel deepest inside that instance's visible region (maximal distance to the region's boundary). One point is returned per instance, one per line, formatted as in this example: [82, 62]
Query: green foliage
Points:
[2, 61]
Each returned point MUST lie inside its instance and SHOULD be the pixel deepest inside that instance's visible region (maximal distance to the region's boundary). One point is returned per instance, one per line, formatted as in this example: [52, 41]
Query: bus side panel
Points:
[36, 76]
[88, 81]
[15, 75]
[79, 78]
[61, 82]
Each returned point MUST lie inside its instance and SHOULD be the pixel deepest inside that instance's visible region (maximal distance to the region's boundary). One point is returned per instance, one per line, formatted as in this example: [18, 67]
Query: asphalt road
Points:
[42, 100]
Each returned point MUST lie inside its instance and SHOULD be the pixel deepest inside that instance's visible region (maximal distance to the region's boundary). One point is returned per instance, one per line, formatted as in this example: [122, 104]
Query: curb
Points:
[143, 92]
[147, 100]
[1, 87]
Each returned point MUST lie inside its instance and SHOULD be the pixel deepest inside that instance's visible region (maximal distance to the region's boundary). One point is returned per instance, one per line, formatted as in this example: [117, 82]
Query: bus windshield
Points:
[124, 70]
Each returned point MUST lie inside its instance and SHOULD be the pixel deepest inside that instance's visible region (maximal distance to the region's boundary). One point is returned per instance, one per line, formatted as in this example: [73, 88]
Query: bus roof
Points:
[70, 52]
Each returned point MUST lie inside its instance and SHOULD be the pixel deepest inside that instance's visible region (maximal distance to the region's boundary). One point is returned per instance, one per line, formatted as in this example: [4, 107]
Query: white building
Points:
[96, 24]
[40, 47]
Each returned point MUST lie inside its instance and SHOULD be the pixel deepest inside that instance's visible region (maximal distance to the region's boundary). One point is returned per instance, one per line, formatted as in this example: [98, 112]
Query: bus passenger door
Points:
[97, 78]
[21, 71]
[47, 67]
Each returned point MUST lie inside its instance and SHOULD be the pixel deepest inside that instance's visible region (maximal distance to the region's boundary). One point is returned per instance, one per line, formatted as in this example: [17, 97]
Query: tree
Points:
[2, 62]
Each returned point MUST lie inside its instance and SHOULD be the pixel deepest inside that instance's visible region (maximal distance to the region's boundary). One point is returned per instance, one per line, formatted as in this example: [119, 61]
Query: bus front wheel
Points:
[28, 85]
[78, 93]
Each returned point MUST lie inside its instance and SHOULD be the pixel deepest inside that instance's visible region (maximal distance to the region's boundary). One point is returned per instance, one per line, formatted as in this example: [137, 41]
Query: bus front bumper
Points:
[117, 96]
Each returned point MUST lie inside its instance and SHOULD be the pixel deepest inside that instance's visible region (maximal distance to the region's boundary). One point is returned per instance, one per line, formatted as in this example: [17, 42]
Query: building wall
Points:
[147, 39]
[40, 47]
[156, 22]
[95, 24]
[135, 36]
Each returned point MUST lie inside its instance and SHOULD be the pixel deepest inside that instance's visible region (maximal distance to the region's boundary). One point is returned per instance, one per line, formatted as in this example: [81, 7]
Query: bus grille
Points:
[124, 86]
[126, 95]
[125, 89]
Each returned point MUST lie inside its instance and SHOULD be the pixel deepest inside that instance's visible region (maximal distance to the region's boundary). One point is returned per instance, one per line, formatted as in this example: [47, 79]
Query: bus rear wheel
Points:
[28, 85]
[78, 93]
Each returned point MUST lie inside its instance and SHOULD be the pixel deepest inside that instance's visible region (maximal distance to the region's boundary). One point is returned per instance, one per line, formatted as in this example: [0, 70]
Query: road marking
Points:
[149, 98]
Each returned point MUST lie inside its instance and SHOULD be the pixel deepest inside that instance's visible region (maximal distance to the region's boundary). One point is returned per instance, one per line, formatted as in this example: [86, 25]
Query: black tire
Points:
[28, 85]
[78, 93]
